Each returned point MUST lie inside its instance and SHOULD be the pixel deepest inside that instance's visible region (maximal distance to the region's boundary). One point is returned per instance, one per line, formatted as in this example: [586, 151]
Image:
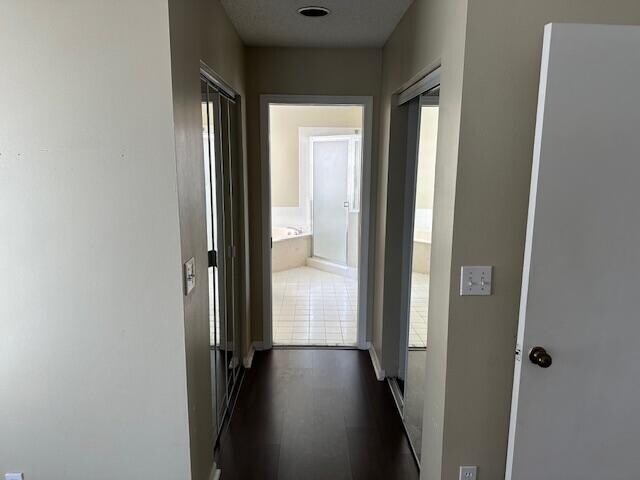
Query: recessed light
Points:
[314, 11]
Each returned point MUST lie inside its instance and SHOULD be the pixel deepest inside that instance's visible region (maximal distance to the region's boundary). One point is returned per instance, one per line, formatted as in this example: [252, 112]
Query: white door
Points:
[580, 417]
[330, 199]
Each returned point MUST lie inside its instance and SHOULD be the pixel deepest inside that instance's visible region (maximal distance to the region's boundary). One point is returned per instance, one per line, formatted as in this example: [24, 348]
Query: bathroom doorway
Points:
[318, 210]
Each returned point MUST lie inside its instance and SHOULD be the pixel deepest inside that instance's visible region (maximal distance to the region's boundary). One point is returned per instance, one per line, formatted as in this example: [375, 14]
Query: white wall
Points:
[92, 347]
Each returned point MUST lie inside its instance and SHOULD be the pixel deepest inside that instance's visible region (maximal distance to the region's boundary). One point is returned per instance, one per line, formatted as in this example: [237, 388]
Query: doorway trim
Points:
[365, 253]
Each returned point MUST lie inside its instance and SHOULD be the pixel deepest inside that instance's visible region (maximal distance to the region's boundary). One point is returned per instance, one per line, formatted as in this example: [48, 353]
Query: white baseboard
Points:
[235, 362]
[215, 473]
[380, 375]
[248, 359]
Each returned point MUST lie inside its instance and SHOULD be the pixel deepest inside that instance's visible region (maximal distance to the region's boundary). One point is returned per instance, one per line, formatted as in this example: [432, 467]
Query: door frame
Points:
[426, 99]
[237, 203]
[365, 253]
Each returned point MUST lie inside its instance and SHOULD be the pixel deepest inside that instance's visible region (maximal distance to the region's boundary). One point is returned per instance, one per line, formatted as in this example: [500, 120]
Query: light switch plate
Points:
[475, 280]
[13, 476]
[469, 473]
[189, 275]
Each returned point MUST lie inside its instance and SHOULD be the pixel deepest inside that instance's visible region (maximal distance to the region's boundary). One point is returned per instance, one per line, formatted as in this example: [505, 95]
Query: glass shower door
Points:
[330, 199]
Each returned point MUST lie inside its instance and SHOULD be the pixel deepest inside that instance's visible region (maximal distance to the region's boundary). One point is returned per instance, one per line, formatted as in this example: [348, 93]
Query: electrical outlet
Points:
[13, 476]
[469, 473]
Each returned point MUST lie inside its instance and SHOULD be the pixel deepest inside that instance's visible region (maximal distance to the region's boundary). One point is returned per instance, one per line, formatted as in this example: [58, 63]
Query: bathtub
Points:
[283, 233]
[421, 252]
[291, 248]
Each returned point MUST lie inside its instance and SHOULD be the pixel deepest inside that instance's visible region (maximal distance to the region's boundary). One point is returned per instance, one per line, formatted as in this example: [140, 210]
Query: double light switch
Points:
[475, 280]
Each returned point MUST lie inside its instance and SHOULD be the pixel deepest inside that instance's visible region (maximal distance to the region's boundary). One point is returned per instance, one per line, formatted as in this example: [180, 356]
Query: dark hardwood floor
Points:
[315, 415]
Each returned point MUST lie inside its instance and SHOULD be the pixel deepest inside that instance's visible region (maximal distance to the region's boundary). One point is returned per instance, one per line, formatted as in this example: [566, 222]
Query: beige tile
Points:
[314, 307]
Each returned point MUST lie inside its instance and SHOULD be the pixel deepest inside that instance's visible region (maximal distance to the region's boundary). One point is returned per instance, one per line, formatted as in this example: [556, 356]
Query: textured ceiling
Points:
[352, 23]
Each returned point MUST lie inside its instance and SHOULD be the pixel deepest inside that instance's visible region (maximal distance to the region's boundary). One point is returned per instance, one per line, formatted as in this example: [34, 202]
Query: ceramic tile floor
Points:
[313, 307]
[418, 311]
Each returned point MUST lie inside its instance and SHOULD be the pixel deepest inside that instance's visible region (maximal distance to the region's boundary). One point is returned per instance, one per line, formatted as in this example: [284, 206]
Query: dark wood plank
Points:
[315, 415]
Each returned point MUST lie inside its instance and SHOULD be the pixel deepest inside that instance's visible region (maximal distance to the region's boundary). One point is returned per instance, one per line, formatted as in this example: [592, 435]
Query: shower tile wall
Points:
[313, 307]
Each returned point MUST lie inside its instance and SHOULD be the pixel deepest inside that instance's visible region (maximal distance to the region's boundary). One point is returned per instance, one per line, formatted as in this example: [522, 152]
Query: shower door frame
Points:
[367, 196]
[349, 138]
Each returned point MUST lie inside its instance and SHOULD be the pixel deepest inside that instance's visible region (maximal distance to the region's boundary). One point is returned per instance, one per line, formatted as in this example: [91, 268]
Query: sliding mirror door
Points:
[230, 164]
[415, 347]
[220, 161]
[215, 229]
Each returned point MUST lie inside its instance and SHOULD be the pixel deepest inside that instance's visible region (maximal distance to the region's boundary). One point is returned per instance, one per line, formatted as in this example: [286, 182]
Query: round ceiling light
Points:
[314, 11]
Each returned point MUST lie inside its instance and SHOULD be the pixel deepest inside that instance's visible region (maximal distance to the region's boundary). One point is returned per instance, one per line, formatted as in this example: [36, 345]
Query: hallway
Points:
[315, 415]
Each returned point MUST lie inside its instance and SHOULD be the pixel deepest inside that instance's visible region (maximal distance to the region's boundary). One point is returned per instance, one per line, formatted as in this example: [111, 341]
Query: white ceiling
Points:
[351, 23]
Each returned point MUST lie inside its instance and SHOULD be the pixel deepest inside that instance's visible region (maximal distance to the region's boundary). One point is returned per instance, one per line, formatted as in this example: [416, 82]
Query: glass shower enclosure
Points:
[336, 166]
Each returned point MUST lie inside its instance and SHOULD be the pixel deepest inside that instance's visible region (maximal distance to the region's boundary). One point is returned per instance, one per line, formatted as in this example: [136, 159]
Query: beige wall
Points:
[92, 338]
[431, 33]
[504, 43]
[200, 30]
[301, 71]
[285, 120]
[427, 157]
[484, 152]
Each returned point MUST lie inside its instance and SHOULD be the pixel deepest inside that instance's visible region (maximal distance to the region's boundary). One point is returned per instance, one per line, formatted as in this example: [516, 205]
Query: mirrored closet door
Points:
[219, 132]
[414, 122]
[415, 348]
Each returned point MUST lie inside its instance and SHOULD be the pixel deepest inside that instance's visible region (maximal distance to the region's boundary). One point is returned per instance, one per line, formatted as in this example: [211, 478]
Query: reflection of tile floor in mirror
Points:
[418, 312]
[312, 307]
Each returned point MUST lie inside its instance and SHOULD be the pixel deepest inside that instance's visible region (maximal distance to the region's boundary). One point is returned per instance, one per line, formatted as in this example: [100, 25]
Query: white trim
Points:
[365, 252]
[248, 359]
[426, 83]
[377, 366]
[217, 80]
[215, 472]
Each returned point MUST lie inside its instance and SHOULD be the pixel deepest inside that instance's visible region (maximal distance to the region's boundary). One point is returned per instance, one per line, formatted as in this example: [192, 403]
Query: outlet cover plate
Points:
[475, 280]
[469, 473]
[13, 476]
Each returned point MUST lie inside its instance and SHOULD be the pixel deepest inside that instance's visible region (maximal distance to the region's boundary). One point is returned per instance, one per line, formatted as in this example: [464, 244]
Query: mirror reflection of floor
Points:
[313, 307]
[418, 311]
[414, 396]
